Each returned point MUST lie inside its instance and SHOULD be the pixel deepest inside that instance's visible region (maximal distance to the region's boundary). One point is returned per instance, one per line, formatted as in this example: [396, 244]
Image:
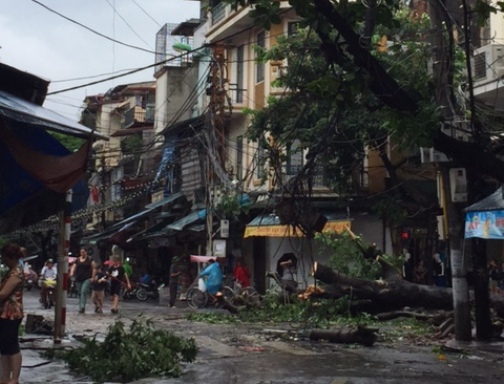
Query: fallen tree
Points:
[391, 294]
[346, 335]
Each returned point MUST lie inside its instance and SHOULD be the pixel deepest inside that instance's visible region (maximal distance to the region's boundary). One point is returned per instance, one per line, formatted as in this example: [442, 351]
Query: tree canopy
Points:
[351, 91]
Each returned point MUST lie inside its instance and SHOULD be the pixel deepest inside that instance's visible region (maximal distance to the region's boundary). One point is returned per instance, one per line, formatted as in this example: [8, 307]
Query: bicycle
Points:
[247, 294]
[197, 299]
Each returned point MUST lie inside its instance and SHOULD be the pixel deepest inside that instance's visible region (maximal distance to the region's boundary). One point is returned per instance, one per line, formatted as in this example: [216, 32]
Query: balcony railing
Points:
[138, 115]
[319, 175]
[238, 95]
[218, 12]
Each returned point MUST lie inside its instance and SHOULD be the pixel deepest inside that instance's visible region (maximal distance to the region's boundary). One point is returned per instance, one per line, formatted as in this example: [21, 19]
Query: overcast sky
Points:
[40, 42]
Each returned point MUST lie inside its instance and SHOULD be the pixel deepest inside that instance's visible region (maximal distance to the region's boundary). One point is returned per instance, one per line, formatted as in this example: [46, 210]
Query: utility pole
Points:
[218, 98]
[460, 287]
[442, 47]
[62, 276]
[102, 193]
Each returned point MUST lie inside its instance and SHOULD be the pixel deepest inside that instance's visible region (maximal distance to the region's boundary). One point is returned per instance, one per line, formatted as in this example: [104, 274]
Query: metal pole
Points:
[62, 278]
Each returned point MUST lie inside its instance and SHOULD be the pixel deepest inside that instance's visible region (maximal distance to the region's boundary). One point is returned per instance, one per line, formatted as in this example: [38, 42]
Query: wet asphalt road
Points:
[254, 354]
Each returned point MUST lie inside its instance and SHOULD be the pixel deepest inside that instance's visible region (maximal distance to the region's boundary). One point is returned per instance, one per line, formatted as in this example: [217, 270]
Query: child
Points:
[118, 277]
[98, 287]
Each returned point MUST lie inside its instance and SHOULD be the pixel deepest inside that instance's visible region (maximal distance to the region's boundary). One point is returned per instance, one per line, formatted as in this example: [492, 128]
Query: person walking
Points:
[175, 273]
[83, 271]
[118, 275]
[11, 314]
[98, 289]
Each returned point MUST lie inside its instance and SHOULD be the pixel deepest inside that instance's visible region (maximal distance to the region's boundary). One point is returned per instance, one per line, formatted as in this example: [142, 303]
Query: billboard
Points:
[485, 225]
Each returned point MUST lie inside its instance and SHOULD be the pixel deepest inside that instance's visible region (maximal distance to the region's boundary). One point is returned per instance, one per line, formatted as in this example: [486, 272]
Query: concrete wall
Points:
[181, 87]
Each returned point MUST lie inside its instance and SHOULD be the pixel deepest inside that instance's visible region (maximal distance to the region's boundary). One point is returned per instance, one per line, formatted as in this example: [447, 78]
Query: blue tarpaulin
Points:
[26, 199]
[20, 191]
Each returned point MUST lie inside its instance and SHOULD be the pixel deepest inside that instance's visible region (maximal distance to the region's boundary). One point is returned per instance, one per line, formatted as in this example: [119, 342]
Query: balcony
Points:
[138, 115]
[238, 96]
[320, 180]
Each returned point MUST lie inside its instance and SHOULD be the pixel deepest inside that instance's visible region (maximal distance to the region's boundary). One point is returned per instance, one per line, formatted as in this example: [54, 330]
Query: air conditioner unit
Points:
[430, 155]
[488, 63]
[224, 228]
[458, 185]
[459, 129]
[278, 69]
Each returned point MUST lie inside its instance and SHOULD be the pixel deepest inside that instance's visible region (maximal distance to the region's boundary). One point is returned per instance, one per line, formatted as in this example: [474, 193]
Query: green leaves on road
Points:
[127, 355]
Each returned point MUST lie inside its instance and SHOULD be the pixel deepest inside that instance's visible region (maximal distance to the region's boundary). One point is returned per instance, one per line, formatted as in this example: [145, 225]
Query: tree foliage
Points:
[72, 143]
[130, 355]
[330, 109]
[413, 112]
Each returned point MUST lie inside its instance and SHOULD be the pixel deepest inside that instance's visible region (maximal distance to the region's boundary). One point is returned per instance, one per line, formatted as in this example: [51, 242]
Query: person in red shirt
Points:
[241, 273]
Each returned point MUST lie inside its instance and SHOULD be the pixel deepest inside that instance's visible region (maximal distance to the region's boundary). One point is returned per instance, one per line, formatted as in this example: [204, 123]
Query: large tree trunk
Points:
[391, 294]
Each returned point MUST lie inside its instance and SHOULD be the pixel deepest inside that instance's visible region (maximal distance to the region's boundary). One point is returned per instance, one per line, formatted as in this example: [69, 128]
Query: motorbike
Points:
[50, 286]
[130, 294]
[149, 290]
[30, 281]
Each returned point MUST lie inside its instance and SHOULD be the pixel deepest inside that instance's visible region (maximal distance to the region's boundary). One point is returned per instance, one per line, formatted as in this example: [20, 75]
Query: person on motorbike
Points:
[48, 279]
[213, 273]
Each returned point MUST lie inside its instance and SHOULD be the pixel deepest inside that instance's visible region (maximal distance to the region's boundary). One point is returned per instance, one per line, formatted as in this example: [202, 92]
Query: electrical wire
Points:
[148, 15]
[126, 22]
[91, 29]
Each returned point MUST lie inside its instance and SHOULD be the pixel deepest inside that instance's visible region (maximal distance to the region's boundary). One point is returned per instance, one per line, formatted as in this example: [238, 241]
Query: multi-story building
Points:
[248, 84]
[488, 63]
[125, 114]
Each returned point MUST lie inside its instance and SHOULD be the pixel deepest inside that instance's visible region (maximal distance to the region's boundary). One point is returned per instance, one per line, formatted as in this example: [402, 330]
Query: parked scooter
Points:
[130, 294]
[149, 290]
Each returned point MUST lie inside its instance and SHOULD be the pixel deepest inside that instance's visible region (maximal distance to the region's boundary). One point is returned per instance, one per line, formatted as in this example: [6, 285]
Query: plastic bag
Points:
[201, 285]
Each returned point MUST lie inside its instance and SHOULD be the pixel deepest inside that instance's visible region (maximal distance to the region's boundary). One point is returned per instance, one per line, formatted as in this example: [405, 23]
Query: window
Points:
[260, 160]
[294, 158]
[261, 44]
[240, 65]
[292, 28]
[239, 158]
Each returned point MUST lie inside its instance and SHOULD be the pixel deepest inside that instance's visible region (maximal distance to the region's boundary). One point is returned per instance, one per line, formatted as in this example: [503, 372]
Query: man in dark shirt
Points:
[174, 277]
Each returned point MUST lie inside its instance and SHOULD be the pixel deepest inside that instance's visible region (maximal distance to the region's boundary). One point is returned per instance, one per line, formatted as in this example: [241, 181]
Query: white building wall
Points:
[160, 115]
[496, 28]
[368, 226]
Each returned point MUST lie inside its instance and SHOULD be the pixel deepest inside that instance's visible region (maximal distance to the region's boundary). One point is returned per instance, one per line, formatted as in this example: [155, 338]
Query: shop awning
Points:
[166, 200]
[156, 230]
[269, 226]
[125, 225]
[494, 202]
[192, 218]
[21, 110]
